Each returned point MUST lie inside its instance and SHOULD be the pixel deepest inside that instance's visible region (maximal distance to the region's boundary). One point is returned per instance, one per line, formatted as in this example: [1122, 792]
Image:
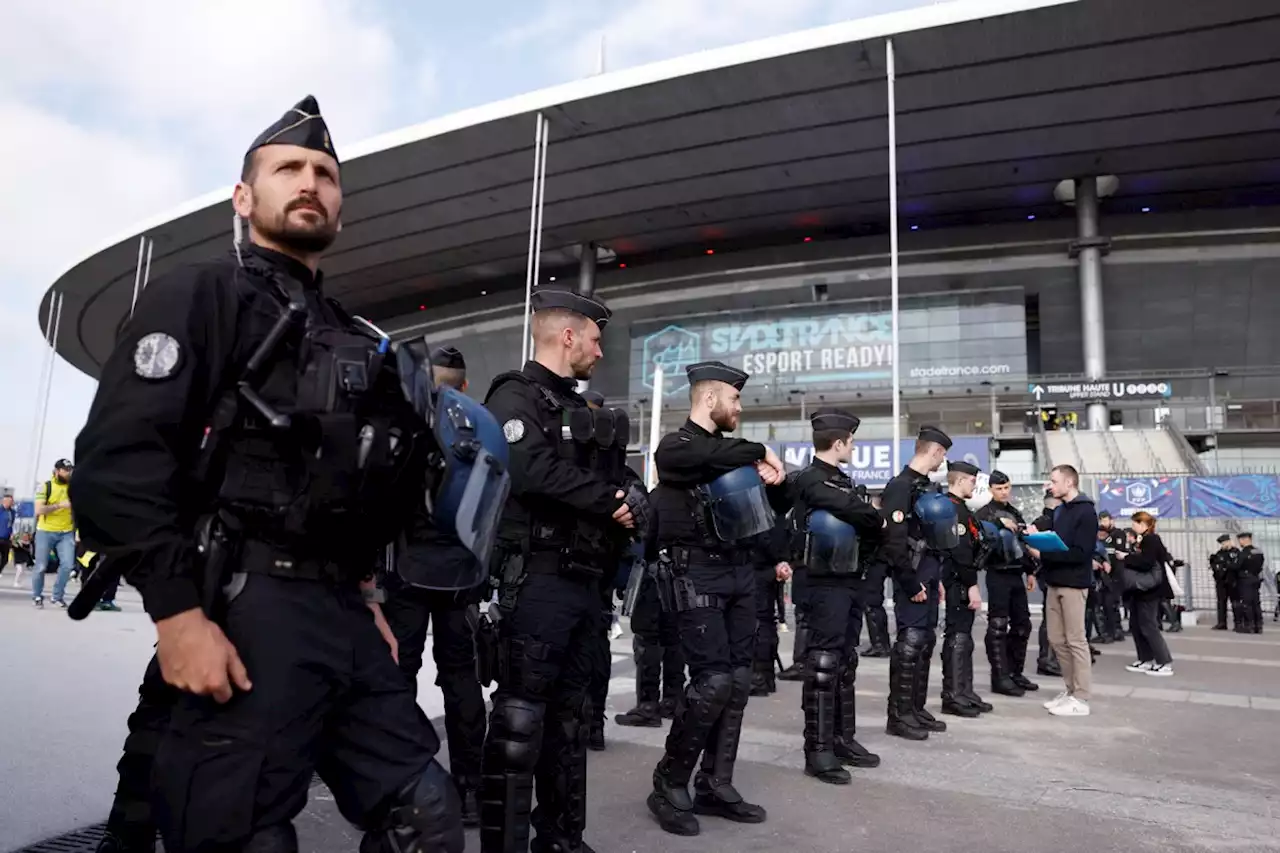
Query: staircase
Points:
[1164, 444]
[1062, 448]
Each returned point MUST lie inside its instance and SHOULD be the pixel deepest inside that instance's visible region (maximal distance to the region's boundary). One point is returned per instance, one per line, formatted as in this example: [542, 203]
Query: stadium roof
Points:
[997, 101]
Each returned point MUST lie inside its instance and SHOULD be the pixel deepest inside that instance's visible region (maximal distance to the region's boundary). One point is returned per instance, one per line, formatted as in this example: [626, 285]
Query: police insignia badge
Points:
[959, 529]
[156, 356]
[898, 516]
[513, 430]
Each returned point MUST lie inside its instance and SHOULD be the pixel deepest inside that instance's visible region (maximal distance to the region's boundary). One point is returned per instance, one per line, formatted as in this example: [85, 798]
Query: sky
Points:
[112, 113]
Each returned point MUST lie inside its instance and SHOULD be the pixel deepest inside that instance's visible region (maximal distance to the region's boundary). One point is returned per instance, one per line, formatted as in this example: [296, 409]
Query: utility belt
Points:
[676, 590]
[684, 556]
[262, 558]
[1010, 569]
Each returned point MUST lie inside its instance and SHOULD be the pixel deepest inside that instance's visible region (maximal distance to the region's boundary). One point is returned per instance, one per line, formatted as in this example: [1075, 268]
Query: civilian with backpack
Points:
[55, 531]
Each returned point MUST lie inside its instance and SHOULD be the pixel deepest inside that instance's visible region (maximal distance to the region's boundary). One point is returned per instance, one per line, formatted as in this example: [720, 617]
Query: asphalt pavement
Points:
[1186, 763]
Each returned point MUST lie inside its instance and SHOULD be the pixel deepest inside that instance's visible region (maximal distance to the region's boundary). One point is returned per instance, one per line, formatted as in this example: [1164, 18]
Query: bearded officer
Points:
[710, 500]
[436, 583]
[837, 522]
[960, 565]
[570, 514]
[1008, 613]
[243, 411]
[912, 543]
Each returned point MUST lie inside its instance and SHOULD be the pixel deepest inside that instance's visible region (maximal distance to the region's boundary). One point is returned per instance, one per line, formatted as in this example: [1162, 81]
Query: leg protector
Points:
[699, 709]
[715, 793]
[877, 632]
[966, 682]
[648, 657]
[904, 660]
[997, 643]
[511, 755]
[561, 815]
[425, 815]
[818, 699]
[672, 678]
[920, 691]
[953, 701]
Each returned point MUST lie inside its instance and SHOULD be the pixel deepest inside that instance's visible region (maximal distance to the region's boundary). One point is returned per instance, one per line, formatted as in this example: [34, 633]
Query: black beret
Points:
[1226, 537]
[565, 300]
[962, 467]
[593, 398]
[302, 126]
[835, 419]
[448, 357]
[1244, 534]
[998, 478]
[716, 371]
[937, 436]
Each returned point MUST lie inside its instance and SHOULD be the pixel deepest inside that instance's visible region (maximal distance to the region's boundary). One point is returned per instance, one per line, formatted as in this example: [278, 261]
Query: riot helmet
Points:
[939, 521]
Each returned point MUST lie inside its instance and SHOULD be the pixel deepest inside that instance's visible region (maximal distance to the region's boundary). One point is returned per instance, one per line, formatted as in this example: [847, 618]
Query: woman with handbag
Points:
[1146, 586]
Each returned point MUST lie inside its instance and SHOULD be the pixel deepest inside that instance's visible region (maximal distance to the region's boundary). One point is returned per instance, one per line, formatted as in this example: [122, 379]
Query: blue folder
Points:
[1046, 543]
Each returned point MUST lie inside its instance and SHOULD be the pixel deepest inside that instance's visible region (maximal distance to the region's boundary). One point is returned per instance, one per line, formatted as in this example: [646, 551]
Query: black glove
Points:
[637, 500]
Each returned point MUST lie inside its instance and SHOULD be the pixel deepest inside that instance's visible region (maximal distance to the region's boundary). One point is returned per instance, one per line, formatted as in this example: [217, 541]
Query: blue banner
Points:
[1243, 496]
[1123, 496]
[873, 458]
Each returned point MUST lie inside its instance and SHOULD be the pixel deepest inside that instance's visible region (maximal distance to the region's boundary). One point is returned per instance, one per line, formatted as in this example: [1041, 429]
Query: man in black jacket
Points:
[1067, 575]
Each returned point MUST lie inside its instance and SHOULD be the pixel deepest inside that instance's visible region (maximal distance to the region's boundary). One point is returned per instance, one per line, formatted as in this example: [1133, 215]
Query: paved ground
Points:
[1181, 764]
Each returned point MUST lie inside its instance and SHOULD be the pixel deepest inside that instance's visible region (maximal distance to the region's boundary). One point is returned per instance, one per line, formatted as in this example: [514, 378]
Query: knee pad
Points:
[824, 665]
[1020, 629]
[998, 625]
[916, 640]
[715, 688]
[741, 687]
[280, 838]
[425, 817]
[516, 730]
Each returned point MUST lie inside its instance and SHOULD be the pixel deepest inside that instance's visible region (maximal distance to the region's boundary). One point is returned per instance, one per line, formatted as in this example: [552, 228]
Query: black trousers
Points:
[131, 820]
[410, 611]
[767, 590]
[327, 697]
[1008, 623]
[835, 617]
[602, 658]
[656, 629]
[1250, 592]
[5, 546]
[1225, 592]
[541, 711]
[1144, 621]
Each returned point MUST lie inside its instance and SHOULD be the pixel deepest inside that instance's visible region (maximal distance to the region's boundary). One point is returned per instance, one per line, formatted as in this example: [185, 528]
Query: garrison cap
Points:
[1226, 537]
[962, 467]
[302, 126]
[565, 300]
[593, 398]
[448, 357]
[998, 478]
[1244, 534]
[937, 436]
[835, 419]
[716, 371]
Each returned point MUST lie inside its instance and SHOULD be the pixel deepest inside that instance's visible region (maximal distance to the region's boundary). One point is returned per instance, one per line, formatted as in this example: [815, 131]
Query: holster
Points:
[664, 578]
[511, 572]
[216, 543]
[488, 647]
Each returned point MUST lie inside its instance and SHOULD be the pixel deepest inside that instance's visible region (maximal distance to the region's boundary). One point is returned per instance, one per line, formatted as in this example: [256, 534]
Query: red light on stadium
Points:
[711, 251]
[808, 239]
[422, 308]
[622, 266]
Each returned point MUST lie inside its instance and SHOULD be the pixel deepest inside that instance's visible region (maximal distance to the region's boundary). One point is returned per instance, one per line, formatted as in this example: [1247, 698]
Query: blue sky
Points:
[115, 112]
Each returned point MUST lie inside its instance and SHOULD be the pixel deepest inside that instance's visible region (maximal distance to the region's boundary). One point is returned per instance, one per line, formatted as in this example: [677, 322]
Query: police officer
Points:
[800, 603]
[876, 618]
[838, 522]
[771, 562]
[1224, 564]
[909, 539]
[1112, 587]
[1008, 613]
[1249, 585]
[243, 430]
[436, 581]
[710, 500]
[960, 565]
[655, 643]
[569, 517]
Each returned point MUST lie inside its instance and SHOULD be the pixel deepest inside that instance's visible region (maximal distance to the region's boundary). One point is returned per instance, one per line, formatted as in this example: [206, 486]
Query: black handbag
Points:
[1135, 581]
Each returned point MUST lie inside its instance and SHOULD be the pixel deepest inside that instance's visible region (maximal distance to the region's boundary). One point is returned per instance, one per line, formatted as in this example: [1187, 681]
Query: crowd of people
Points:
[245, 426]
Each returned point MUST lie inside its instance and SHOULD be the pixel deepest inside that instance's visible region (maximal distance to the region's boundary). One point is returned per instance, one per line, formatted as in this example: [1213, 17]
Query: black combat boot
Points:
[953, 701]
[997, 643]
[701, 705]
[795, 672]
[648, 657]
[644, 715]
[762, 677]
[1017, 648]
[904, 661]
[877, 633]
[920, 691]
[967, 692]
[818, 699]
[714, 793]
[847, 749]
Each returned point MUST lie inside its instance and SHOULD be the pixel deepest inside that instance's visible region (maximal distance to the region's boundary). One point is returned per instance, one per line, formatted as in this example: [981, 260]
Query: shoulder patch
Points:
[157, 356]
[898, 516]
[513, 430]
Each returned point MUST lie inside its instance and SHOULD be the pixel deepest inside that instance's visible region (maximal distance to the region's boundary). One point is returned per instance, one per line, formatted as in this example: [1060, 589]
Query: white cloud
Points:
[114, 112]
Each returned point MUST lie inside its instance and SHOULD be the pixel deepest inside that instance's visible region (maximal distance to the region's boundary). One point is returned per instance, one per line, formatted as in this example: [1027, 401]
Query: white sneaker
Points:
[1160, 670]
[783, 629]
[1057, 700]
[1072, 707]
[1140, 666]
[615, 631]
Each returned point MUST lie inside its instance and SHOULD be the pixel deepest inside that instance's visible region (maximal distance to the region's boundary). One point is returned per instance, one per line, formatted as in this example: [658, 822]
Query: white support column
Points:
[655, 430]
[46, 364]
[48, 388]
[586, 286]
[535, 228]
[893, 251]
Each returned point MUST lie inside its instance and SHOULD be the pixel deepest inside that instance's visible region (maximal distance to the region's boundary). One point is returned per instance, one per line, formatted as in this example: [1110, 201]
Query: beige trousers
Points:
[1065, 620]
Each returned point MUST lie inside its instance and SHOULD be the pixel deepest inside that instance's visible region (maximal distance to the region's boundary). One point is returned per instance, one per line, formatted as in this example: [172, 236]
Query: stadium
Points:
[1053, 226]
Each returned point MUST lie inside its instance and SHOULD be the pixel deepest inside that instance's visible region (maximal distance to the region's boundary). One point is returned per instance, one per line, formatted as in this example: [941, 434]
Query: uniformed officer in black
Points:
[437, 584]
[655, 643]
[1248, 585]
[836, 523]
[1224, 563]
[1111, 590]
[876, 618]
[708, 551]
[915, 592]
[960, 568]
[564, 527]
[1008, 613]
[603, 661]
[771, 561]
[284, 455]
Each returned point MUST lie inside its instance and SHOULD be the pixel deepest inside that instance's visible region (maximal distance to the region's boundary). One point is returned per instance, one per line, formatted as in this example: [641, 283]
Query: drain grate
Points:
[81, 841]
